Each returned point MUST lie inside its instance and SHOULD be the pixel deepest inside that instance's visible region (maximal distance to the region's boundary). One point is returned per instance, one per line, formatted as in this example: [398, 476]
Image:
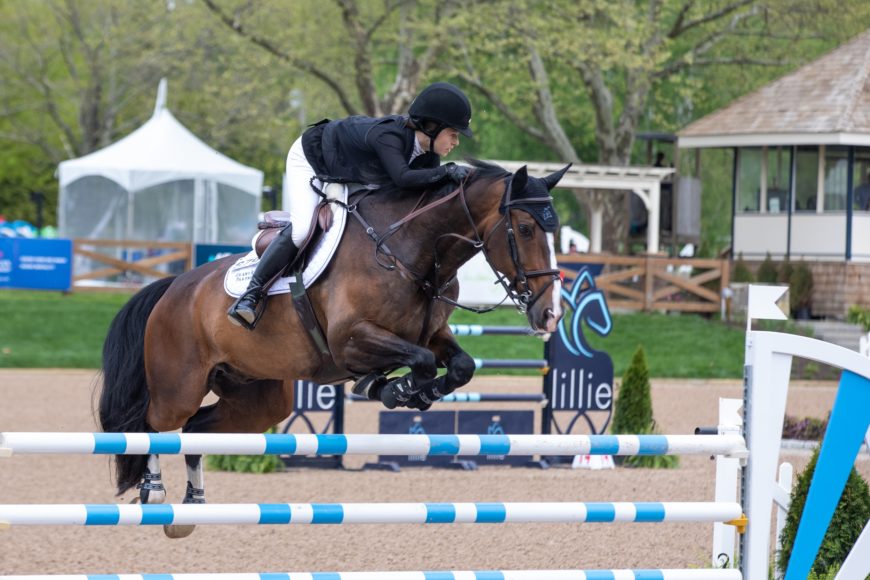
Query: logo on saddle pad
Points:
[239, 274]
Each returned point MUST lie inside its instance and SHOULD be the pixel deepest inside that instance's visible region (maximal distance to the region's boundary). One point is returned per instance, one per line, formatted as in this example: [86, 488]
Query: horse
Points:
[383, 304]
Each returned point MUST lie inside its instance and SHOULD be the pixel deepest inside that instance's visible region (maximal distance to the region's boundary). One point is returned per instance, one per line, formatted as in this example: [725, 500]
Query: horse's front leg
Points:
[460, 368]
[370, 350]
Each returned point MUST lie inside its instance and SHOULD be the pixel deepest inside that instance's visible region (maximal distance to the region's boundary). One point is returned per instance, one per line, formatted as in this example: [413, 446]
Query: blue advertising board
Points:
[35, 264]
[205, 253]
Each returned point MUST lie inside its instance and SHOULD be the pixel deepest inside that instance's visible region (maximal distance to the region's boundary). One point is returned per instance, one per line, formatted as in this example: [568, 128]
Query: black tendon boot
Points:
[281, 252]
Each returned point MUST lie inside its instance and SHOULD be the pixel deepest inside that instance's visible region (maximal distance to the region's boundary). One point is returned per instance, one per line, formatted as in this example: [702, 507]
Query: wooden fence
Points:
[658, 283]
[146, 261]
[629, 282]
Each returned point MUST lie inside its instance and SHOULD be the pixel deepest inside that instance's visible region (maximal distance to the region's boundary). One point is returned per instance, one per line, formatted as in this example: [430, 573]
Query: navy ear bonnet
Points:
[533, 197]
[536, 192]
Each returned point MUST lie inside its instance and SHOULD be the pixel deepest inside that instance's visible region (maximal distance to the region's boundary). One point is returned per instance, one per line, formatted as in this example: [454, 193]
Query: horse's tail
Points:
[124, 398]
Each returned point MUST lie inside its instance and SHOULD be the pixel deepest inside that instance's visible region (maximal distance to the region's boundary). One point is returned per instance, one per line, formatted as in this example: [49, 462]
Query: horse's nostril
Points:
[548, 313]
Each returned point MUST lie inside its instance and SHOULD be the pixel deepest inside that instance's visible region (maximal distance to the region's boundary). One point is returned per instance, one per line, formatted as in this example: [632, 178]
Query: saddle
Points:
[276, 220]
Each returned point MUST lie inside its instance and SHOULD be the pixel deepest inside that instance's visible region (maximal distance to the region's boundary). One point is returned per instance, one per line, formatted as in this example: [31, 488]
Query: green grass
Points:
[686, 346]
[50, 330]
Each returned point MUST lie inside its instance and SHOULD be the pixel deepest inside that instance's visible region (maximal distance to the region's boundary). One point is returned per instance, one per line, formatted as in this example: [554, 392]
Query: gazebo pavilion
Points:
[801, 174]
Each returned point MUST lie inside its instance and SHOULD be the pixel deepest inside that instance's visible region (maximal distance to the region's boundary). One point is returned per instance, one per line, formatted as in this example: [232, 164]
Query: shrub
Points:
[785, 271]
[801, 284]
[741, 271]
[245, 463]
[858, 315]
[633, 413]
[806, 429]
[767, 273]
[849, 519]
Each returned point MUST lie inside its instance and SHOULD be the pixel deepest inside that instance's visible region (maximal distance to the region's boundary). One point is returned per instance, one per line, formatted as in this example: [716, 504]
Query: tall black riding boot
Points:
[279, 254]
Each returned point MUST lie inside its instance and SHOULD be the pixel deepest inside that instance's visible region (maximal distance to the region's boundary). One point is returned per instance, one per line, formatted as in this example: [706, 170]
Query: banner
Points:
[205, 253]
[35, 264]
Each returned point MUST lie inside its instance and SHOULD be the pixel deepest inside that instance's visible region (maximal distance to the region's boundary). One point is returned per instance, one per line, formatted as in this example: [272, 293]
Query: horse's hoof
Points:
[370, 386]
[151, 496]
[178, 531]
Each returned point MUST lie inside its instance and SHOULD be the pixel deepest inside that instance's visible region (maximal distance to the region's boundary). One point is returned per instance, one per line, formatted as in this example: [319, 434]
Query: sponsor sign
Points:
[35, 264]
[205, 253]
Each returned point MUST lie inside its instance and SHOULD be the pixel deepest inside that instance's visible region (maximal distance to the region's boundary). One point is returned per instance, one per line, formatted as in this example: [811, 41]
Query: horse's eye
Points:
[526, 231]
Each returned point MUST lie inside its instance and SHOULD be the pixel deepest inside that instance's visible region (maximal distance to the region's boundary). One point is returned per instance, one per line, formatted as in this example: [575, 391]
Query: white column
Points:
[652, 208]
[596, 224]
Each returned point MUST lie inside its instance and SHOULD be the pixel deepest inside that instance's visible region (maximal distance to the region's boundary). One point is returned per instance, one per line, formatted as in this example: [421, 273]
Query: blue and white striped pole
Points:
[337, 444]
[479, 330]
[654, 574]
[367, 513]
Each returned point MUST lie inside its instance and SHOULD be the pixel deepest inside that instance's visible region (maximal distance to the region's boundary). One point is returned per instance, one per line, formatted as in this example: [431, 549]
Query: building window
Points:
[748, 179]
[806, 190]
[778, 178]
[861, 180]
[836, 178]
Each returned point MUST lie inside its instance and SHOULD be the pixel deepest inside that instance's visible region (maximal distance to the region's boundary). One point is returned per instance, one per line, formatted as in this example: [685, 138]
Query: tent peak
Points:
[160, 103]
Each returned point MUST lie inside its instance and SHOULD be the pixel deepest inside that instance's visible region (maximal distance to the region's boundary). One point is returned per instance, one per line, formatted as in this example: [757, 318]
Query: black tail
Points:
[124, 398]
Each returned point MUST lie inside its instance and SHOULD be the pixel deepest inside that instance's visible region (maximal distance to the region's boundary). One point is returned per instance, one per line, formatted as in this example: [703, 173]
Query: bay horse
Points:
[383, 304]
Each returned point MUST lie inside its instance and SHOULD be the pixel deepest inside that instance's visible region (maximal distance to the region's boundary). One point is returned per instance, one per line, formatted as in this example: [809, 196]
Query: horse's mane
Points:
[483, 172]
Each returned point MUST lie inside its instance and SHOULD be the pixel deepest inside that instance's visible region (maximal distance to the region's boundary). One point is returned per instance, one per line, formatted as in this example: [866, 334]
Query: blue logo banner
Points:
[205, 253]
[35, 264]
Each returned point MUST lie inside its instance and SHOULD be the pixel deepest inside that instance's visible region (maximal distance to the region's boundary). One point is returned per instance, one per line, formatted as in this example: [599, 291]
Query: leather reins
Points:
[519, 291]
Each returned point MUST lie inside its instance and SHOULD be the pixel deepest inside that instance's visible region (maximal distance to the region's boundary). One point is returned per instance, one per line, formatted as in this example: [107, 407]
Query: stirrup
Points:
[259, 309]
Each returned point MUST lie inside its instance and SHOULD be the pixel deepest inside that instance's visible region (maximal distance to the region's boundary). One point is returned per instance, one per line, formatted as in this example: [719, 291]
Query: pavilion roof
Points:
[826, 101]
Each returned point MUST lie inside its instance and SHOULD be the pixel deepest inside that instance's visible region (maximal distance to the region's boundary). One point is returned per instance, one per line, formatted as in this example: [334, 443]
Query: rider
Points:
[398, 149]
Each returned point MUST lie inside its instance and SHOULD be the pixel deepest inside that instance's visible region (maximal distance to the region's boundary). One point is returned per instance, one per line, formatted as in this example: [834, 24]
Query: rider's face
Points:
[446, 140]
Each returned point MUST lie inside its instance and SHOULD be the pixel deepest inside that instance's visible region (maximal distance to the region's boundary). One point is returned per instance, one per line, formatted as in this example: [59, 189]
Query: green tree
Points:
[633, 412]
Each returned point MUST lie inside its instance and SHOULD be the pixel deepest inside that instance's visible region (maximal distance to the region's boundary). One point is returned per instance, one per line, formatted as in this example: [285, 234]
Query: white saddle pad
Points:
[239, 274]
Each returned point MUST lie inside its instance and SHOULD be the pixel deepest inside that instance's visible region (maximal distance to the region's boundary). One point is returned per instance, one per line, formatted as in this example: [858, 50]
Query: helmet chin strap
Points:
[433, 135]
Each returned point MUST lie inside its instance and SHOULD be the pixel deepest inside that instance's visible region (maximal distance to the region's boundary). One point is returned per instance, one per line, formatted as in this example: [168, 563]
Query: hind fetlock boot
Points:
[246, 311]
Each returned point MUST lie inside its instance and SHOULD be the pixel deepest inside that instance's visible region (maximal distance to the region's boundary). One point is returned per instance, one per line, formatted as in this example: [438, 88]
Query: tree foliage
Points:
[549, 79]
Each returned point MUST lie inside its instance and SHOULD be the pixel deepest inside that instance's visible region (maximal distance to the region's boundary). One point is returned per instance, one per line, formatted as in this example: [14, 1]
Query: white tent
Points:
[159, 183]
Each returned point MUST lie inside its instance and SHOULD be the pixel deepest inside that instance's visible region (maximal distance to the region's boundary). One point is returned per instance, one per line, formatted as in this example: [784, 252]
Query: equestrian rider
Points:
[404, 150]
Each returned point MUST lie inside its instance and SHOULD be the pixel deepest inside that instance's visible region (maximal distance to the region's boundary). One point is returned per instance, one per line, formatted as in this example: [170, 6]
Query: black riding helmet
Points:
[444, 104]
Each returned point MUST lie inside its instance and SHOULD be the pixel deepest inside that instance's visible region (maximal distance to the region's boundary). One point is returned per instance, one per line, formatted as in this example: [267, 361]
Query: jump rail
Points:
[367, 513]
[333, 444]
[653, 574]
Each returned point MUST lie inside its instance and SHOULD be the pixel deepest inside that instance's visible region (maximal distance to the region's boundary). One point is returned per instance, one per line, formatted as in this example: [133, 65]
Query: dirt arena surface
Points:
[60, 400]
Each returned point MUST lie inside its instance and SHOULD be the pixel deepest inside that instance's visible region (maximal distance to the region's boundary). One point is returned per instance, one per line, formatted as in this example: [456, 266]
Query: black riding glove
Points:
[457, 173]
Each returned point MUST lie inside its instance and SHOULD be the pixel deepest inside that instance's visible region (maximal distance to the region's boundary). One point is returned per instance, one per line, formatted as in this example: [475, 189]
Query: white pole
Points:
[366, 513]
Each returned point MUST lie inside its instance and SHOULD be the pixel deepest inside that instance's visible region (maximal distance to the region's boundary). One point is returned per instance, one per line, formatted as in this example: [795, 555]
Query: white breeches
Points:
[299, 199]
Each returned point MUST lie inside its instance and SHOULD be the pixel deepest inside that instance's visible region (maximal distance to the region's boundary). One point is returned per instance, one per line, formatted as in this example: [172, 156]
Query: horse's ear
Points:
[520, 178]
[552, 179]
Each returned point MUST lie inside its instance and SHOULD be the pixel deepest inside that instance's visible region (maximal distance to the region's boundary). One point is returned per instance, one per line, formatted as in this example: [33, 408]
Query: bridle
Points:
[519, 291]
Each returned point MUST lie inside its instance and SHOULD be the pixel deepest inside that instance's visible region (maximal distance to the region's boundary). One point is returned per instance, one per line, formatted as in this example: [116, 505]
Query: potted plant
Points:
[801, 285]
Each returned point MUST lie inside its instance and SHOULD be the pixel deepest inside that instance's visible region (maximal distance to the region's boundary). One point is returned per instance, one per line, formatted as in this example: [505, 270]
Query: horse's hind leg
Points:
[243, 407]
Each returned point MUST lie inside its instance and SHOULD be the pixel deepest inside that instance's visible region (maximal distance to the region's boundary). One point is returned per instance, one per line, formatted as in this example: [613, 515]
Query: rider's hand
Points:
[457, 173]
